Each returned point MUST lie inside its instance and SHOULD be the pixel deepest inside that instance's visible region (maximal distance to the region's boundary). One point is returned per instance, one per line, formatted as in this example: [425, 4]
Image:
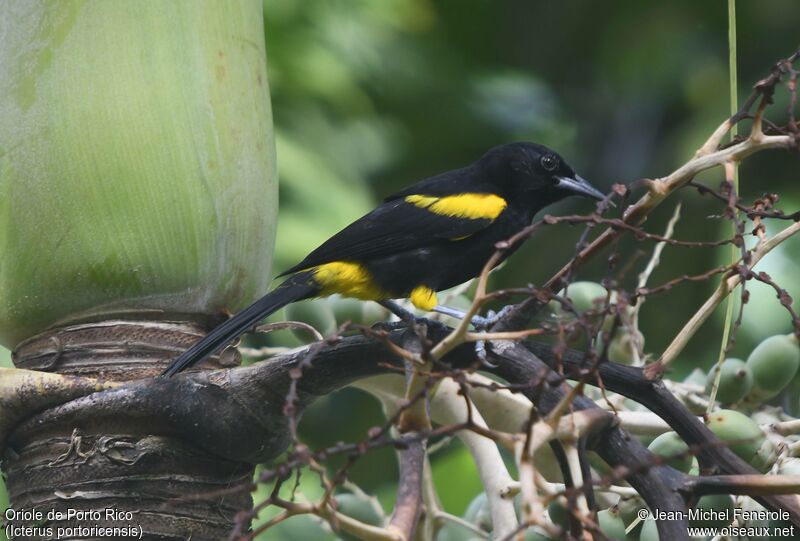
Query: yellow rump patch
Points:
[463, 205]
[423, 298]
[348, 279]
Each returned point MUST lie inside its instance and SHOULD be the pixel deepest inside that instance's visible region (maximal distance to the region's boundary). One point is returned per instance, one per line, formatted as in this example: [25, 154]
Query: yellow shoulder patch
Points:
[349, 279]
[423, 298]
[463, 205]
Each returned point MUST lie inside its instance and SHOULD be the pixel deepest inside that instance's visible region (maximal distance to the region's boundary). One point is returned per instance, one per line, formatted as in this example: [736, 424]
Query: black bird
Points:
[433, 235]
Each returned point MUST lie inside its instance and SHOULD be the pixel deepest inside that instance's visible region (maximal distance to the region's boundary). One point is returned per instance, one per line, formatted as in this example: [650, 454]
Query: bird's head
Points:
[535, 172]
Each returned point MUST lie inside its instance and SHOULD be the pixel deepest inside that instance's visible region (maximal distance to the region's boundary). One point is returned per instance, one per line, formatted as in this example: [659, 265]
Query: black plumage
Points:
[433, 235]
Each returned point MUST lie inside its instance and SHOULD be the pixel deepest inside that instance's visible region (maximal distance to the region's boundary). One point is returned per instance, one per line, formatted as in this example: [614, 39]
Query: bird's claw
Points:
[480, 352]
[482, 323]
[492, 317]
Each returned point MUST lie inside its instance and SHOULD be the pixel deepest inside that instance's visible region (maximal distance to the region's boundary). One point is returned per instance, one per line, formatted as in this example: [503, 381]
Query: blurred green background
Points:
[372, 95]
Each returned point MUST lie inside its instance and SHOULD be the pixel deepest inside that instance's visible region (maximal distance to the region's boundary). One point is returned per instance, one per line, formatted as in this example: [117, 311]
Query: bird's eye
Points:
[549, 162]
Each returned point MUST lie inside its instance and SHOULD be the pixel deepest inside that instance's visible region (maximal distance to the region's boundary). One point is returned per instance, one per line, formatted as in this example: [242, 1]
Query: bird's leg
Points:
[493, 317]
[404, 315]
[407, 317]
[480, 352]
[479, 322]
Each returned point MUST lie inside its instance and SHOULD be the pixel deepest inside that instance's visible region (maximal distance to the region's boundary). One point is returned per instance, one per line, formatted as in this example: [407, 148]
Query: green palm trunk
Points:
[138, 194]
[137, 165]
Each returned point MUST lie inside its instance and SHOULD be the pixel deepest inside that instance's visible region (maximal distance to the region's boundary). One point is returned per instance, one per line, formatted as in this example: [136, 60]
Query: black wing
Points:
[397, 226]
[394, 227]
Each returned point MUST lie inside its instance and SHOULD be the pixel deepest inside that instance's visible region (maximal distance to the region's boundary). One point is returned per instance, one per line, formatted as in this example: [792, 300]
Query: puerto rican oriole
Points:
[433, 235]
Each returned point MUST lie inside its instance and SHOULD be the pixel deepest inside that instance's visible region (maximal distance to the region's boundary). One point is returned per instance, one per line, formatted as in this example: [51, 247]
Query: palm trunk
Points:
[137, 205]
[118, 465]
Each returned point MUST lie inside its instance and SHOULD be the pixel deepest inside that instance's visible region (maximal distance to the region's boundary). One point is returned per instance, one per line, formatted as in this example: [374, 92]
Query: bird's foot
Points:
[480, 352]
[408, 317]
[479, 322]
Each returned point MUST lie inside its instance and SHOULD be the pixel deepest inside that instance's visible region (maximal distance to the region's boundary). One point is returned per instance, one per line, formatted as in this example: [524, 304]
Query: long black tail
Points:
[299, 286]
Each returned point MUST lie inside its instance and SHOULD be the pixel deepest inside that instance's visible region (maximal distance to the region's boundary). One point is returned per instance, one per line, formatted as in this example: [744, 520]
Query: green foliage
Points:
[649, 531]
[774, 362]
[358, 508]
[317, 313]
[297, 528]
[557, 512]
[5, 358]
[452, 531]
[454, 472]
[301, 528]
[611, 524]
[478, 513]
[744, 436]
[670, 445]
[716, 506]
[736, 380]
[586, 296]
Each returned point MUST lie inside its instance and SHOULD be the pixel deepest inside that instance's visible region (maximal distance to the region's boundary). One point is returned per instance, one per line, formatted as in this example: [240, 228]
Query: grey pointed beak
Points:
[579, 186]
